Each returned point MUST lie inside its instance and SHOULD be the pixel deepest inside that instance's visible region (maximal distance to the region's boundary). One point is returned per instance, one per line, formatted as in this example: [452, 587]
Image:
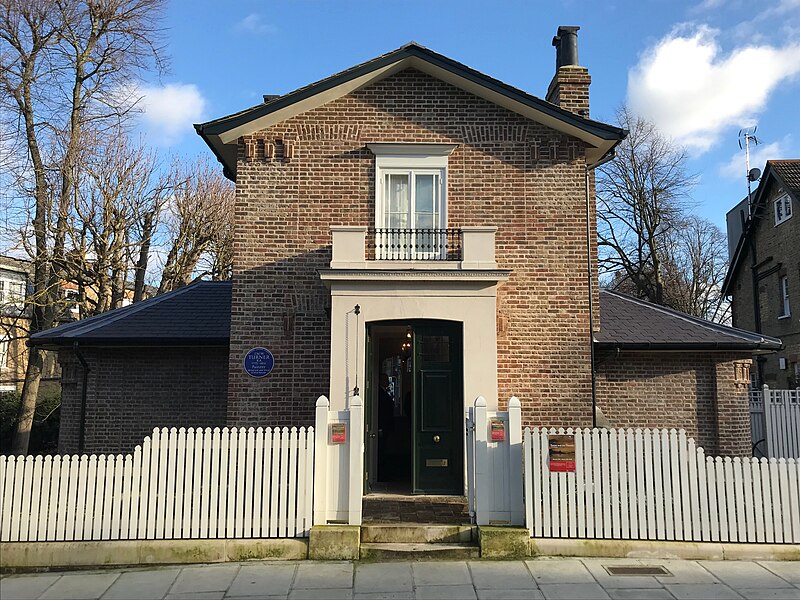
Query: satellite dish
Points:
[753, 174]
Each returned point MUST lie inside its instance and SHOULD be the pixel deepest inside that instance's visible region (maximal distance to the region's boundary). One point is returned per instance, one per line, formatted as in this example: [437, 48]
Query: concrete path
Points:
[581, 579]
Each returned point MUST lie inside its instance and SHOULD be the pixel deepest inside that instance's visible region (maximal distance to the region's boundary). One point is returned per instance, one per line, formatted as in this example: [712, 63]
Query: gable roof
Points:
[222, 134]
[632, 324]
[787, 173]
[195, 314]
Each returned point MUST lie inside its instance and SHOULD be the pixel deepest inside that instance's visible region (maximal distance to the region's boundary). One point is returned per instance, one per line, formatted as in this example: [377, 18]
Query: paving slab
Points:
[384, 596]
[384, 578]
[445, 592]
[262, 580]
[559, 571]
[639, 594]
[501, 575]
[25, 587]
[86, 586]
[789, 570]
[738, 574]
[510, 595]
[701, 591]
[143, 585]
[596, 566]
[324, 575]
[792, 593]
[322, 594]
[196, 596]
[572, 591]
[441, 573]
[684, 571]
[208, 578]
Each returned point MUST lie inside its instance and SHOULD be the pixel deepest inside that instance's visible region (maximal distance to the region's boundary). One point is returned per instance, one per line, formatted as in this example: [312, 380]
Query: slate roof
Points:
[200, 314]
[632, 324]
[787, 173]
[196, 314]
[210, 130]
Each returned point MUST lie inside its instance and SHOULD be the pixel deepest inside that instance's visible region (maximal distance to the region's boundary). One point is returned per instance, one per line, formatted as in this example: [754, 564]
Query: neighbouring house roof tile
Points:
[629, 323]
[196, 314]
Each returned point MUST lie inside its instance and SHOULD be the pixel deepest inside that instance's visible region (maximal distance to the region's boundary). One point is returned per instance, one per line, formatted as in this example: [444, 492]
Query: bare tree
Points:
[64, 65]
[641, 197]
[199, 223]
[695, 270]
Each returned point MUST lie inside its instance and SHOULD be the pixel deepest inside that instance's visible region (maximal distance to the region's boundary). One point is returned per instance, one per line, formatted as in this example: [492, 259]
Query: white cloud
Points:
[169, 111]
[759, 155]
[692, 90]
[254, 23]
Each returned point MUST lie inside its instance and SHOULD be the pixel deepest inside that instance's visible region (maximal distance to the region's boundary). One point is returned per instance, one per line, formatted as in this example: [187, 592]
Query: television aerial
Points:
[748, 134]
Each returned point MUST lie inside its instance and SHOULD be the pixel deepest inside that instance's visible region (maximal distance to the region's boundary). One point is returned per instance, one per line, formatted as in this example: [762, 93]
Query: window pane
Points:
[424, 221]
[397, 193]
[425, 193]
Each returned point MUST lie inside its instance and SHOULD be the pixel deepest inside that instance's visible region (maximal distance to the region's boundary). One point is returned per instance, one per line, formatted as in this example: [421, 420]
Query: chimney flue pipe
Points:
[566, 43]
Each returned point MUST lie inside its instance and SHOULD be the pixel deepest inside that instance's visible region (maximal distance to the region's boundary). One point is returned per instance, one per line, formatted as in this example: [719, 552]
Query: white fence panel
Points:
[657, 485]
[179, 484]
[775, 422]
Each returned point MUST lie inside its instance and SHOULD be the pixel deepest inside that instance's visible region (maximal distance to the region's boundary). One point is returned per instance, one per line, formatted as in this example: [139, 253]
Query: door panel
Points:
[438, 409]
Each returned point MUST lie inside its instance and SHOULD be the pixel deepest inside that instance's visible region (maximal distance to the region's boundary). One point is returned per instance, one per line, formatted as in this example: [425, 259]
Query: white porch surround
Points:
[462, 291]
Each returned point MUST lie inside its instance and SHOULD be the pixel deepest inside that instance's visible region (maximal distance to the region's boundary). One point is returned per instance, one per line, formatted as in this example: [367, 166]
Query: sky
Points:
[699, 70]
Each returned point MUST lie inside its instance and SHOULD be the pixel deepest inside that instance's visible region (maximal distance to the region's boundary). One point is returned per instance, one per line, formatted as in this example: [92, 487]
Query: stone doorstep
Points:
[423, 551]
[417, 533]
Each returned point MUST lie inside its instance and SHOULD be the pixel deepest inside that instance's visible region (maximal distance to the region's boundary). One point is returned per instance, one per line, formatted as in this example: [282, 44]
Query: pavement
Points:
[581, 579]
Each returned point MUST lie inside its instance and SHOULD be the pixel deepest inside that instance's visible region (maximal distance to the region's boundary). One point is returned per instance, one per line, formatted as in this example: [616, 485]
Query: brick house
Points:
[763, 279]
[415, 232]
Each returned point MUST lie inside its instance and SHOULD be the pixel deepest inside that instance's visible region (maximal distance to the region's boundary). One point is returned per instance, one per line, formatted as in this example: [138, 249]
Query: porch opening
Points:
[414, 408]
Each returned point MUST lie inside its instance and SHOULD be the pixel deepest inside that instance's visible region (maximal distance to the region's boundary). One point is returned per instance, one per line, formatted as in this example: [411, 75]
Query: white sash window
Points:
[411, 206]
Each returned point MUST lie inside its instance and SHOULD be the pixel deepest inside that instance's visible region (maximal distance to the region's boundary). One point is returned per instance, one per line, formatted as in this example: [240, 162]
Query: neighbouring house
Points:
[763, 279]
[417, 233]
[15, 320]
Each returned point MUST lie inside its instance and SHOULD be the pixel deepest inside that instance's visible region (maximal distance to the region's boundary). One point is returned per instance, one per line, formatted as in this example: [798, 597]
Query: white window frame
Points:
[783, 284]
[5, 346]
[423, 159]
[782, 208]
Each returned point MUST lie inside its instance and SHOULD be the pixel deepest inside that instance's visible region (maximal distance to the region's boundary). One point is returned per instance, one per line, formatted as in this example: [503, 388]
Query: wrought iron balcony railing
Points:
[414, 244]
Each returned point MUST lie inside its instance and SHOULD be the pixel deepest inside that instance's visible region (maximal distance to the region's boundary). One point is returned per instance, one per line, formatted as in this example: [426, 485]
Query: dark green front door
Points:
[438, 408]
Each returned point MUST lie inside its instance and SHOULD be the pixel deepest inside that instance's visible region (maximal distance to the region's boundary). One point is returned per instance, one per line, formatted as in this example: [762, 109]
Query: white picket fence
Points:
[657, 485]
[179, 484]
[775, 422]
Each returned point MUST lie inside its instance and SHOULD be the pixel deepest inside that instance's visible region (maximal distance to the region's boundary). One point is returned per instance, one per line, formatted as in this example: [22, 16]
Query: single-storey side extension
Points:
[164, 362]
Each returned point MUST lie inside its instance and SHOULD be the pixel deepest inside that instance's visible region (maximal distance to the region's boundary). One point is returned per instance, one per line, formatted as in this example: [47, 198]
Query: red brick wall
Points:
[507, 171]
[132, 390]
[698, 392]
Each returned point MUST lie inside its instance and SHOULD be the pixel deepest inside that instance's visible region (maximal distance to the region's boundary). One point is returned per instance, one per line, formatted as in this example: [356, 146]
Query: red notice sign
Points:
[497, 430]
[338, 433]
[562, 453]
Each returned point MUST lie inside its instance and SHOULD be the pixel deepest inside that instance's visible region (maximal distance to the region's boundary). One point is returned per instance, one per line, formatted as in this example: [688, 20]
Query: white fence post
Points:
[483, 493]
[515, 467]
[321, 462]
[356, 470]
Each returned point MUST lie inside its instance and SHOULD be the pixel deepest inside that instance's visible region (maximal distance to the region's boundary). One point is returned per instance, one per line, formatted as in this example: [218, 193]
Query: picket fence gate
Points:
[179, 484]
[775, 422]
[658, 485]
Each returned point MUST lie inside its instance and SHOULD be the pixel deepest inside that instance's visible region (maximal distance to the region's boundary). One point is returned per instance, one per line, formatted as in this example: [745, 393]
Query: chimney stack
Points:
[569, 88]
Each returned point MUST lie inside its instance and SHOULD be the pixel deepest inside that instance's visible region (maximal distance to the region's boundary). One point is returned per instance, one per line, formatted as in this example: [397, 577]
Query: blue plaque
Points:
[258, 362]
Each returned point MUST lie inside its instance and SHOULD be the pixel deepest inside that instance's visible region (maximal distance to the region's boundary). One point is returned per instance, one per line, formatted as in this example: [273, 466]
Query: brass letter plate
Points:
[436, 462]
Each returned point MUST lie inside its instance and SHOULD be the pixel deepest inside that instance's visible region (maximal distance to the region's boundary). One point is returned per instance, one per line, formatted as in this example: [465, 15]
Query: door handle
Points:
[372, 435]
[436, 439]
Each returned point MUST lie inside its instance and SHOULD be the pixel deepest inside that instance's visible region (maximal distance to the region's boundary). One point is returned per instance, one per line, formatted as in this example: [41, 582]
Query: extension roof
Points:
[196, 314]
[222, 134]
[628, 323]
[786, 173]
[199, 314]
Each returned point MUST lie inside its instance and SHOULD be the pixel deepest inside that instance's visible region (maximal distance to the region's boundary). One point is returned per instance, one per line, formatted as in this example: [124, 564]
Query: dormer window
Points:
[410, 200]
[783, 209]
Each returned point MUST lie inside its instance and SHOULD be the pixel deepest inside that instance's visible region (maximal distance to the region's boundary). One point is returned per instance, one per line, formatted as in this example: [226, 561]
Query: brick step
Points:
[416, 533]
[395, 508]
[419, 551]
